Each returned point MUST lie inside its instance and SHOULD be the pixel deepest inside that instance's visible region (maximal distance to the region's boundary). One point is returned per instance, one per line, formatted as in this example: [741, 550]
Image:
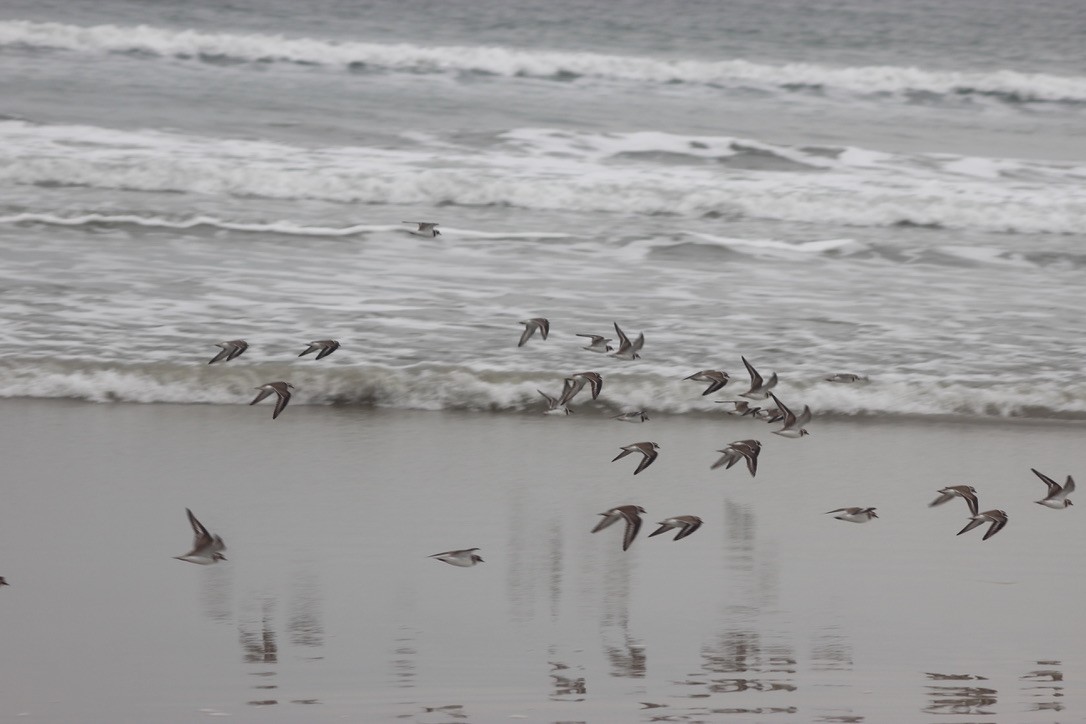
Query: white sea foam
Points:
[505, 61]
[552, 170]
[461, 387]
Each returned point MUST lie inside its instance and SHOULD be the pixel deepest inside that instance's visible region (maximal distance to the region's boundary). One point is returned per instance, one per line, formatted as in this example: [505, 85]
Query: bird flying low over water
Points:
[530, 327]
[426, 228]
[965, 492]
[1057, 495]
[997, 518]
[686, 524]
[576, 382]
[631, 416]
[555, 406]
[846, 378]
[759, 387]
[230, 350]
[854, 515]
[206, 548]
[282, 391]
[598, 343]
[740, 450]
[463, 558]
[742, 408]
[647, 449]
[715, 378]
[628, 513]
[627, 349]
[793, 426]
[323, 348]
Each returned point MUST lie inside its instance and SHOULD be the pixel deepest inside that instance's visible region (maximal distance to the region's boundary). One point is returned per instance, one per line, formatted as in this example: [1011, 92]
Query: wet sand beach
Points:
[329, 608]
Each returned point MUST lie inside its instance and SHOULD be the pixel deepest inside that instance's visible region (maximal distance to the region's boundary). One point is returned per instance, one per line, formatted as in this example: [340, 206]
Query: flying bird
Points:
[555, 406]
[997, 518]
[966, 492]
[627, 349]
[793, 426]
[632, 416]
[323, 348]
[282, 391]
[426, 228]
[715, 378]
[598, 343]
[647, 449]
[740, 450]
[1057, 495]
[759, 387]
[686, 524]
[854, 515]
[206, 548]
[531, 325]
[576, 382]
[628, 513]
[464, 559]
[230, 350]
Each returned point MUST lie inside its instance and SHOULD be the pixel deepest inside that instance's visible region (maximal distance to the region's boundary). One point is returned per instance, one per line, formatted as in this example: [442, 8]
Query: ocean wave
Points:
[1007, 85]
[467, 388]
[548, 170]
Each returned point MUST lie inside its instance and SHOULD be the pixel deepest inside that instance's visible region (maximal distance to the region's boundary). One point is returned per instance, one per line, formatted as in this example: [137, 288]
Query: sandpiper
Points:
[647, 449]
[793, 426]
[230, 350]
[715, 378]
[846, 377]
[627, 349]
[426, 228]
[576, 382]
[531, 325]
[742, 408]
[465, 558]
[628, 513]
[631, 416]
[555, 406]
[1057, 495]
[966, 492]
[281, 389]
[206, 548]
[686, 524]
[740, 450]
[323, 348]
[997, 518]
[854, 515]
[598, 343]
[759, 388]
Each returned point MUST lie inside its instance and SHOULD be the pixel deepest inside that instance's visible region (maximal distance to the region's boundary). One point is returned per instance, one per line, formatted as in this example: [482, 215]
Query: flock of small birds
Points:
[207, 548]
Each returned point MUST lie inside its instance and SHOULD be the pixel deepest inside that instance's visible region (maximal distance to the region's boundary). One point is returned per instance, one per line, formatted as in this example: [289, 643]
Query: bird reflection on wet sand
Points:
[959, 698]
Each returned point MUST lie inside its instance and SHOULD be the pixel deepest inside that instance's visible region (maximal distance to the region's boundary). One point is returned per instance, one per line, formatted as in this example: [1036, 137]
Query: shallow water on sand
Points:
[329, 607]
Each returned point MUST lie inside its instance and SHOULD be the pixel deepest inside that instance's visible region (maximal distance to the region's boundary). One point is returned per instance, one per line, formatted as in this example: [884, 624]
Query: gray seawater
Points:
[889, 189]
[329, 608]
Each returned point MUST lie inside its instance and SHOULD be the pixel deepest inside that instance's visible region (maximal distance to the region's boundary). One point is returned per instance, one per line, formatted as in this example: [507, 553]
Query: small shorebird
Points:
[555, 406]
[715, 378]
[632, 416]
[686, 524]
[742, 408]
[206, 548]
[647, 449]
[759, 388]
[793, 426]
[965, 492]
[627, 349]
[740, 450]
[628, 513]
[531, 325]
[465, 558]
[598, 343]
[230, 350]
[576, 382]
[426, 228]
[997, 518]
[854, 515]
[323, 348]
[846, 377]
[281, 389]
[1057, 496]
[3, 582]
